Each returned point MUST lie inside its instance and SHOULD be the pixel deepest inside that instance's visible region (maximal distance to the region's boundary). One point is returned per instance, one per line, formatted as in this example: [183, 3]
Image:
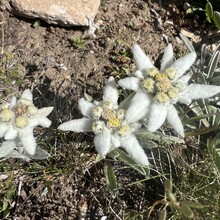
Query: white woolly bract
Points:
[77, 125]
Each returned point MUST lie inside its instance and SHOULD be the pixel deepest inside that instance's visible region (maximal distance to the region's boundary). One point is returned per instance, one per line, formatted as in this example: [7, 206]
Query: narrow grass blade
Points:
[110, 178]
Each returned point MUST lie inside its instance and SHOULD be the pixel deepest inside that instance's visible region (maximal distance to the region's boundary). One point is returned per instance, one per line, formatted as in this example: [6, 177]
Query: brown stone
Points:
[62, 12]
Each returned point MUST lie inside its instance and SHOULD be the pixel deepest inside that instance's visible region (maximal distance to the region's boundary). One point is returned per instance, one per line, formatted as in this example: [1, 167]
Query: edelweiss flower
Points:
[18, 119]
[157, 90]
[110, 123]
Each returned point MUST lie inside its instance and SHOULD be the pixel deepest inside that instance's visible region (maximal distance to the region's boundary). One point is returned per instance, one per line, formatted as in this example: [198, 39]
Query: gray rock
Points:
[61, 12]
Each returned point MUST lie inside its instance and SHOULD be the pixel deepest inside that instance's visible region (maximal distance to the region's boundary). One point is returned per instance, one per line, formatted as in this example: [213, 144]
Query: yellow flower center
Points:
[98, 126]
[97, 112]
[120, 113]
[108, 114]
[170, 72]
[163, 85]
[148, 84]
[6, 115]
[32, 110]
[173, 92]
[21, 121]
[162, 97]
[160, 85]
[113, 123]
[152, 72]
[107, 105]
[106, 117]
[124, 130]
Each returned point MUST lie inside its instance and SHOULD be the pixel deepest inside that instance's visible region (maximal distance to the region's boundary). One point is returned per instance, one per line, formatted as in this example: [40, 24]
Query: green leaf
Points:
[198, 110]
[209, 11]
[16, 154]
[171, 196]
[147, 144]
[6, 213]
[4, 206]
[214, 149]
[120, 155]
[204, 53]
[186, 210]
[187, 42]
[168, 185]
[213, 64]
[37, 23]
[193, 204]
[110, 178]
[216, 19]
[98, 158]
[144, 135]
[201, 131]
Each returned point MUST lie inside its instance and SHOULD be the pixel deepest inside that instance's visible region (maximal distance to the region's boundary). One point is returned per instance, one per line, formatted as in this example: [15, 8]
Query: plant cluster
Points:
[211, 10]
[155, 96]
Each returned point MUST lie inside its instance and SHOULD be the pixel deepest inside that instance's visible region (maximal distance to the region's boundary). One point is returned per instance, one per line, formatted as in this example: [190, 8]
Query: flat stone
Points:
[59, 12]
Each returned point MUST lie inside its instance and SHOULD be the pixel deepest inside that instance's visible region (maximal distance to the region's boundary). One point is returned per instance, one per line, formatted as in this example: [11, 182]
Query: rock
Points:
[62, 12]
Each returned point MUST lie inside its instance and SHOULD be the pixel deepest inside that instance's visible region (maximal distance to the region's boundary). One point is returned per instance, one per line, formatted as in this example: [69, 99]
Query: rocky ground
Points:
[61, 64]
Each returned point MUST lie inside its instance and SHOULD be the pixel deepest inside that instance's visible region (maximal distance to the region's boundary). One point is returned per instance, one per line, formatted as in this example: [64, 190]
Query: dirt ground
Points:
[59, 66]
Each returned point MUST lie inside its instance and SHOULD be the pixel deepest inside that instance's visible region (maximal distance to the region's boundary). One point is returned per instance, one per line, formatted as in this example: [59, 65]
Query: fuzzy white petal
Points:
[139, 74]
[28, 141]
[115, 140]
[131, 83]
[183, 64]
[174, 120]
[157, 116]
[184, 79]
[3, 128]
[102, 142]
[138, 108]
[111, 92]
[86, 107]
[133, 148]
[13, 102]
[197, 91]
[11, 134]
[6, 148]
[135, 127]
[44, 112]
[39, 120]
[27, 94]
[141, 59]
[77, 125]
[167, 59]
[184, 100]
[44, 122]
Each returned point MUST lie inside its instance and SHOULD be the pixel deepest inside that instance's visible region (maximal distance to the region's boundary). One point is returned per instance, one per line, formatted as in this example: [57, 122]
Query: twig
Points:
[2, 32]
